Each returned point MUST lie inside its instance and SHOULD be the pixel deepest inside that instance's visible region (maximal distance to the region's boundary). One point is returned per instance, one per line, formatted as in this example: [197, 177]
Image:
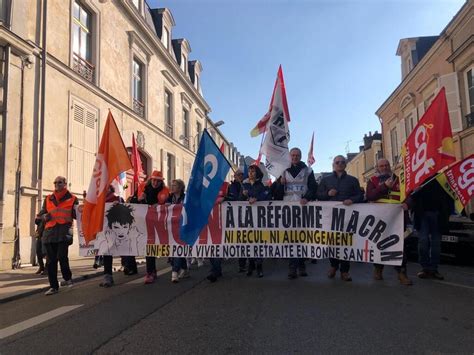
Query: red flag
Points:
[429, 148]
[112, 158]
[262, 124]
[136, 161]
[222, 148]
[311, 159]
[458, 182]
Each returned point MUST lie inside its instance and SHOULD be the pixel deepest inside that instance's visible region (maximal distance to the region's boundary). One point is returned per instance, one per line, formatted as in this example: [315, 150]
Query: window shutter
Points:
[421, 111]
[82, 146]
[450, 82]
[76, 147]
[401, 134]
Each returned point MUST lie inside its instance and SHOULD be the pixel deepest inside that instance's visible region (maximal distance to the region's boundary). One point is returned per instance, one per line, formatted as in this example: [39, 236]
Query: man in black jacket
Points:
[339, 186]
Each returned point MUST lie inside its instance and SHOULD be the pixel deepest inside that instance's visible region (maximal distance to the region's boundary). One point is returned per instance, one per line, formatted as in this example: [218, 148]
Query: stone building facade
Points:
[428, 64]
[99, 55]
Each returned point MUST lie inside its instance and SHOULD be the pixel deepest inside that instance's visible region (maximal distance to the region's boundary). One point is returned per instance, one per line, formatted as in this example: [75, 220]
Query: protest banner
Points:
[361, 232]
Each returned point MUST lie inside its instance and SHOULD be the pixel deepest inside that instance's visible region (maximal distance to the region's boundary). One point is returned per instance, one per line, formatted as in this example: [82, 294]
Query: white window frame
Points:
[469, 105]
[95, 36]
[165, 39]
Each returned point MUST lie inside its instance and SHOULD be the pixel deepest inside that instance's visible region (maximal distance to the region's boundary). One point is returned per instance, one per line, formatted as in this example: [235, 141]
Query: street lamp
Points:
[186, 139]
[218, 123]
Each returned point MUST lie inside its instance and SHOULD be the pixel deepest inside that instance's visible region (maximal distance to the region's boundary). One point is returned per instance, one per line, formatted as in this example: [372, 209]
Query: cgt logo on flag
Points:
[99, 180]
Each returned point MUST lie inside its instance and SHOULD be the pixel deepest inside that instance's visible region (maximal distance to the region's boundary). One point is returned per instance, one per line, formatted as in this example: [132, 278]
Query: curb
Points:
[41, 289]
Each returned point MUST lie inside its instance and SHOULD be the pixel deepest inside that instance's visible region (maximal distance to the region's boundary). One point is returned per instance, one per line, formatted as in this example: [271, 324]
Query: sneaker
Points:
[150, 278]
[404, 280]
[40, 271]
[183, 274]
[108, 281]
[212, 278]
[51, 291]
[174, 277]
[378, 273]
[436, 275]
[332, 272]
[67, 283]
[424, 274]
[345, 276]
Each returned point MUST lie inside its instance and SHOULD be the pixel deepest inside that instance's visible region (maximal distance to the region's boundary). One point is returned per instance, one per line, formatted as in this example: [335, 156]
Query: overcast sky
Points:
[338, 60]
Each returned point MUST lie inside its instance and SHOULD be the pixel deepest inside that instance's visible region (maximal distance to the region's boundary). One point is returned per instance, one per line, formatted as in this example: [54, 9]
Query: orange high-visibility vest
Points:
[393, 195]
[60, 214]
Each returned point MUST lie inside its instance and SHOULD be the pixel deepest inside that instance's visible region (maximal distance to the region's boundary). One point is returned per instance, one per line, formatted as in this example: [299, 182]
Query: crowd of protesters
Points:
[429, 207]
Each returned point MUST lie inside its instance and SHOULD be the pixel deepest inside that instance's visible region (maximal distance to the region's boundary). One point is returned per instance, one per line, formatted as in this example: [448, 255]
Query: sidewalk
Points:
[15, 284]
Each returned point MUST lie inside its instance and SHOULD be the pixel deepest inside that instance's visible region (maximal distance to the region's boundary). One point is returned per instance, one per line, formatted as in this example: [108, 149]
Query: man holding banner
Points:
[297, 183]
[339, 186]
[384, 187]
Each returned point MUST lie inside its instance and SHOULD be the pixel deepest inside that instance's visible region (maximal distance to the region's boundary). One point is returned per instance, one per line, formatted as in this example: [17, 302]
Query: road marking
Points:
[19, 327]
[454, 284]
[140, 280]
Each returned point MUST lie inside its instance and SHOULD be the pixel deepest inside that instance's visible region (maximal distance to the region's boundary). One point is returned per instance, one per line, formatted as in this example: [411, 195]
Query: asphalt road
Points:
[239, 314]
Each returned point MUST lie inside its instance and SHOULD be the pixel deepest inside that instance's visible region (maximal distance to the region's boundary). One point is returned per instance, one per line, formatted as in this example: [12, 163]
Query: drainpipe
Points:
[43, 104]
[16, 262]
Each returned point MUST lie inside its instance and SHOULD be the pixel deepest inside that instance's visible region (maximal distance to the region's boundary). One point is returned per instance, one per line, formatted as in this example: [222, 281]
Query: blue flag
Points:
[209, 171]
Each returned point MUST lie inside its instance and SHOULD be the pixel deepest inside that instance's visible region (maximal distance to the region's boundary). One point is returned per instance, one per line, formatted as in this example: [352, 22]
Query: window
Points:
[137, 87]
[168, 113]
[470, 90]
[186, 128]
[196, 82]
[183, 63]
[165, 38]
[170, 165]
[82, 41]
[82, 145]
[394, 145]
[3, 10]
[410, 122]
[198, 135]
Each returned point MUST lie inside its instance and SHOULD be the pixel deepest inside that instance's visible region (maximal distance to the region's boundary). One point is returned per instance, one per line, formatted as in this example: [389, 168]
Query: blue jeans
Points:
[429, 241]
[178, 264]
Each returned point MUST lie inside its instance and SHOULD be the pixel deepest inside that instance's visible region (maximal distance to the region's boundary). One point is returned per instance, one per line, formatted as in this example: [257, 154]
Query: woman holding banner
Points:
[179, 265]
[155, 192]
[253, 190]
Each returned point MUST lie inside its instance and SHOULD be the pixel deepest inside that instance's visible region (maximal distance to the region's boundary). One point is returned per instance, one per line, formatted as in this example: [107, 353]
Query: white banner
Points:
[370, 233]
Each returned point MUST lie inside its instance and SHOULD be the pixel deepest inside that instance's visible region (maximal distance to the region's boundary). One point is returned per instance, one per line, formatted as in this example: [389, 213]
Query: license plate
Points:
[450, 238]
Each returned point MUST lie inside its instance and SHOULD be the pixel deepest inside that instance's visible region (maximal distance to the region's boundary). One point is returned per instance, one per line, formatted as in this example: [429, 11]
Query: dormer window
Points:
[136, 3]
[165, 38]
[197, 84]
[184, 63]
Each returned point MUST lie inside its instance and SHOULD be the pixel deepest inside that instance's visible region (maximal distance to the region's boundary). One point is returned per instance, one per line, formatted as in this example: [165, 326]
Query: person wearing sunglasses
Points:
[57, 214]
[297, 184]
[339, 186]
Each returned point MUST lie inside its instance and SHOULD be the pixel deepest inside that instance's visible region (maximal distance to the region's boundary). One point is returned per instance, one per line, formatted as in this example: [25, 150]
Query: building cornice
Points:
[19, 46]
[467, 44]
[164, 53]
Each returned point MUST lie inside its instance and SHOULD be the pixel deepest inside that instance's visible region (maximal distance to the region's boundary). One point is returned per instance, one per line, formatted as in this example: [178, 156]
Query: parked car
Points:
[456, 245]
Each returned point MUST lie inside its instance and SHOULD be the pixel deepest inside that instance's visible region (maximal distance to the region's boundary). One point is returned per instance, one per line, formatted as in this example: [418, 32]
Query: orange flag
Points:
[112, 159]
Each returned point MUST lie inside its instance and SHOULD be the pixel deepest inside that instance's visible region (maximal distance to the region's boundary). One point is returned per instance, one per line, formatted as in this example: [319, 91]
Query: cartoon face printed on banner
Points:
[121, 236]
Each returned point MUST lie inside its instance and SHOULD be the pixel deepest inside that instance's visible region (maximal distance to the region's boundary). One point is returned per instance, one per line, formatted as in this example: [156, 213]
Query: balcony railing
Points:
[138, 107]
[169, 130]
[83, 68]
